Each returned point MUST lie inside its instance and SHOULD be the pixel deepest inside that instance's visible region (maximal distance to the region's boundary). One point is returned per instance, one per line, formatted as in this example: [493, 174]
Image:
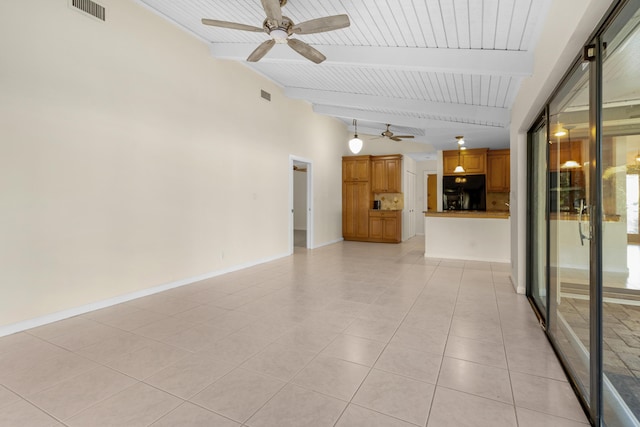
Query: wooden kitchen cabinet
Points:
[498, 171]
[356, 200]
[474, 161]
[385, 226]
[362, 177]
[356, 168]
[386, 174]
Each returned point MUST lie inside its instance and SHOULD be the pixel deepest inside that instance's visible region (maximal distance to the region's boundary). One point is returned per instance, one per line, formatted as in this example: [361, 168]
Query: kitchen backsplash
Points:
[390, 201]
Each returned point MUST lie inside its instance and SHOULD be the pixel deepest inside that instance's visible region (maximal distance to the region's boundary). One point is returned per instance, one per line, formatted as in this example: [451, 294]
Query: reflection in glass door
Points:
[621, 255]
[633, 194]
[569, 226]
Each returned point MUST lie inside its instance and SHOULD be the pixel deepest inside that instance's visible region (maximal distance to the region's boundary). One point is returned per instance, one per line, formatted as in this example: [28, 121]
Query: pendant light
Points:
[355, 143]
[571, 163]
[459, 168]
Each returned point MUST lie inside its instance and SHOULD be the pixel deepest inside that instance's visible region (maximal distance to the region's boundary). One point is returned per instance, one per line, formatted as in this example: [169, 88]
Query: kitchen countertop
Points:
[467, 214]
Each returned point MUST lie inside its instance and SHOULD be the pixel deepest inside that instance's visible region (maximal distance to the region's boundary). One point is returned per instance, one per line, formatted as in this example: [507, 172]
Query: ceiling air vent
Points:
[265, 95]
[89, 7]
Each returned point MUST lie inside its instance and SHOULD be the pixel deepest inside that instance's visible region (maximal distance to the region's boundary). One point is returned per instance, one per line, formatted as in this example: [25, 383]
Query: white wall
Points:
[569, 23]
[130, 159]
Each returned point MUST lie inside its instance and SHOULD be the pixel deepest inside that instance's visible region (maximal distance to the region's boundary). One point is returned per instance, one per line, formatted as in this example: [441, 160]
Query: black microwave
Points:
[464, 193]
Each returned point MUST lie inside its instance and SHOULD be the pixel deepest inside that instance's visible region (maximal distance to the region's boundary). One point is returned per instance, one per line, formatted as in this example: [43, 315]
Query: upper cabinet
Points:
[474, 161]
[355, 168]
[386, 172]
[498, 171]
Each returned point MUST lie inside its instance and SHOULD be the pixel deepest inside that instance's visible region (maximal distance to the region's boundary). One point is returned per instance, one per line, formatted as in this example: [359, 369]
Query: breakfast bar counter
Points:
[468, 235]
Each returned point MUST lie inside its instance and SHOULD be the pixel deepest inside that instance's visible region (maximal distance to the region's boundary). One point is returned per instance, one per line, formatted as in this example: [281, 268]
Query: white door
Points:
[409, 213]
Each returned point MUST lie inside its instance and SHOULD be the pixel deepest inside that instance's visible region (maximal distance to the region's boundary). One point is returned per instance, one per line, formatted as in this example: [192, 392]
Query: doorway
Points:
[300, 185]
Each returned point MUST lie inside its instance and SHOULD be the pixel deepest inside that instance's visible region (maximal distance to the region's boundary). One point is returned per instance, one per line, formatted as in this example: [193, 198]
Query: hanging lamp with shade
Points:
[459, 168]
[571, 163]
[355, 143]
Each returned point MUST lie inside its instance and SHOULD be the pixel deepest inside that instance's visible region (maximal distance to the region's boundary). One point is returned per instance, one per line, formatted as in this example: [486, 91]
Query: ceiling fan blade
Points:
[320, 25]
[307, 51]
[232, 25]
[261, 51]
[395, 138]
[403, 136]
[272, 9]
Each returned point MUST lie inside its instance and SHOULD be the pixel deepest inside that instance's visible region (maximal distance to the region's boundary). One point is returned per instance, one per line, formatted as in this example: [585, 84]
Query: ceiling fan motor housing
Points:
[279, 32]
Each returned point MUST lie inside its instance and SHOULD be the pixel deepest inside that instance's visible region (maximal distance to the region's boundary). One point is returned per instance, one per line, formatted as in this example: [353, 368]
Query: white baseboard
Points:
[65, 314]
[331, 242]
[519, 289]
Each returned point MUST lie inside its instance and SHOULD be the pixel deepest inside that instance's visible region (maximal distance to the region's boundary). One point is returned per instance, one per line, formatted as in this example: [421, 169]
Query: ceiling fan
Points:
[390, 135]
[280, 27]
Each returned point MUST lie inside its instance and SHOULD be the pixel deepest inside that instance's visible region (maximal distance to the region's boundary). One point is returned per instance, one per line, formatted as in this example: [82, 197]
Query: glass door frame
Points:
[593, 54]
[541, 312]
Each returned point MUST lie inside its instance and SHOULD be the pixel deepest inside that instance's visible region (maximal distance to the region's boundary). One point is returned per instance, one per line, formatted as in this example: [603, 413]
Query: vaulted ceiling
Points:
[430, 68]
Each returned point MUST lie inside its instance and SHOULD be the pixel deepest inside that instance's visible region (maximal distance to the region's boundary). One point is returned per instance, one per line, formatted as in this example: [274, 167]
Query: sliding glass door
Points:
[620, 46]
[584, 220]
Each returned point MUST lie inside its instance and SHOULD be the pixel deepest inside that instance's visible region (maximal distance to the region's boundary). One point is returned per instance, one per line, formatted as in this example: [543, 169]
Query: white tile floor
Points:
[348, 335]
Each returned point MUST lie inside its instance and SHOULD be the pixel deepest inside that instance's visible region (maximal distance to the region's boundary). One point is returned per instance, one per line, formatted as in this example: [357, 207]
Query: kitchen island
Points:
[468, 235]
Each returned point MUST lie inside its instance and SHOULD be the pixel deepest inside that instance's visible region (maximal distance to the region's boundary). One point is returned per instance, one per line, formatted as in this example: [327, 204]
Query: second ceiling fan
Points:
[390, 135]
[280, 27]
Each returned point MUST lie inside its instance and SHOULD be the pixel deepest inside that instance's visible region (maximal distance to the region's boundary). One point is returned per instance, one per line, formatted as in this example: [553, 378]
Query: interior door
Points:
[409, 213]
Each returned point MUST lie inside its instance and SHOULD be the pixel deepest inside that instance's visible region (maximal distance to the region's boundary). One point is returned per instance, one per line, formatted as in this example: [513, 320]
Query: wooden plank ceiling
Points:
[431, 68]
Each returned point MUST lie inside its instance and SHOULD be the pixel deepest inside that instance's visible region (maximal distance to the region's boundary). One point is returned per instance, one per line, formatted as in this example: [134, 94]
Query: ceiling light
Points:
[459, 168]
[560, 133]
[571, 163]
[355, 143]
[463, 148]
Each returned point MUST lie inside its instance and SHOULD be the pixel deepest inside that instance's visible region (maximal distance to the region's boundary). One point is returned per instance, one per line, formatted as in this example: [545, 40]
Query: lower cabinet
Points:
[385, 226]
[355, 210]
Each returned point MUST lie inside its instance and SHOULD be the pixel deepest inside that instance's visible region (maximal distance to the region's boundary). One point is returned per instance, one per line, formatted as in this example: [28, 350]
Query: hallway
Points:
[347, 335]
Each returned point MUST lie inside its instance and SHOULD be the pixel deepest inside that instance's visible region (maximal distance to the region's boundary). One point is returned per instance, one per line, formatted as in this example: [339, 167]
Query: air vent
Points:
[89, 7]
[265, 95]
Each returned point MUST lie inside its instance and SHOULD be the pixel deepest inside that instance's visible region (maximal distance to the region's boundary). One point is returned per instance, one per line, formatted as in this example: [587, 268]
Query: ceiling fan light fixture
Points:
[279, 35]
[460, 140]
[355, 143]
